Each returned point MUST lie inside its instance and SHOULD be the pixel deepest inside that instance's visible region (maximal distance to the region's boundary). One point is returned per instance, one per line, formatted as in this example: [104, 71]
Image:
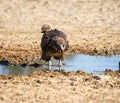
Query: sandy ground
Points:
[92, 27]
[56, 87]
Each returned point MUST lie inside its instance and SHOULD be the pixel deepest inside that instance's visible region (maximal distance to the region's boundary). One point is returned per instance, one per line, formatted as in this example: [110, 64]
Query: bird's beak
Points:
[62, 47]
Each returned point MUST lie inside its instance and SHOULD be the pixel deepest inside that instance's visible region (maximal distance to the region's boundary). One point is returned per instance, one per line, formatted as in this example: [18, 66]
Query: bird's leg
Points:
[60, 64]
[49, 65]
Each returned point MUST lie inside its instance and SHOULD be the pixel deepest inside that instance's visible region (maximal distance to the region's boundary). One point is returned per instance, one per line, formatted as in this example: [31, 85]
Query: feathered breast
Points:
[54, 40]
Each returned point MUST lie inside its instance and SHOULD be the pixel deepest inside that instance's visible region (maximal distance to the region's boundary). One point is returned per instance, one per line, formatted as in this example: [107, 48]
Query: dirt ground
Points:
[92, 27]
[56, 87]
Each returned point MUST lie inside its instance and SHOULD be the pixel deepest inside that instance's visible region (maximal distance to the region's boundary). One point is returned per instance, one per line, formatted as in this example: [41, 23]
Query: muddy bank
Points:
[92, 27]
[22, 48]
[52, 87]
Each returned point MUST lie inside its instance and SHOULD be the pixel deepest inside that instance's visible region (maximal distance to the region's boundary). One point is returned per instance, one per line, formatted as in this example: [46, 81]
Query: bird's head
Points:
[45, 28]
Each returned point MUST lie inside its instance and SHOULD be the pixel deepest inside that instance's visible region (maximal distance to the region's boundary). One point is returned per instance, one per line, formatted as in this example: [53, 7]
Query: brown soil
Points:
[56, 87]
[92, 27]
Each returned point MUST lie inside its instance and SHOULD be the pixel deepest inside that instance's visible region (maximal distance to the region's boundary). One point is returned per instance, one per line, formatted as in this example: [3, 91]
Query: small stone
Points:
[97, 77]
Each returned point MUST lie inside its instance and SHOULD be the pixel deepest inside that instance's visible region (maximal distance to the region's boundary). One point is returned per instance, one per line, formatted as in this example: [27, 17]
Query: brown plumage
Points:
[53, 44]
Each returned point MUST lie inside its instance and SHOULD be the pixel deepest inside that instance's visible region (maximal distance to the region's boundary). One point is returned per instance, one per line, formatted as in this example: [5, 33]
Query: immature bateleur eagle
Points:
[53, 44]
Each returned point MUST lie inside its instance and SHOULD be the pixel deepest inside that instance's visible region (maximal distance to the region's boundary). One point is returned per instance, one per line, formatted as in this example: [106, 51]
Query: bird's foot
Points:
[60, 65]
[50, 66]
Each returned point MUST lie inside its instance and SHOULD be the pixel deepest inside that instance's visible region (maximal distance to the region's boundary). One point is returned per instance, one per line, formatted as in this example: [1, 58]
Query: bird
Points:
[54, 44]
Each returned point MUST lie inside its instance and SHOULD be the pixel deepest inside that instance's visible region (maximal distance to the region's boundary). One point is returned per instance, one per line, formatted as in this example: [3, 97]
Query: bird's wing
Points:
[44, 41]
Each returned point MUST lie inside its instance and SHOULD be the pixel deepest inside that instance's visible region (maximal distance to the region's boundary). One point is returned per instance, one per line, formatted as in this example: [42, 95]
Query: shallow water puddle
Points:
[83, 62]
[90, 64]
